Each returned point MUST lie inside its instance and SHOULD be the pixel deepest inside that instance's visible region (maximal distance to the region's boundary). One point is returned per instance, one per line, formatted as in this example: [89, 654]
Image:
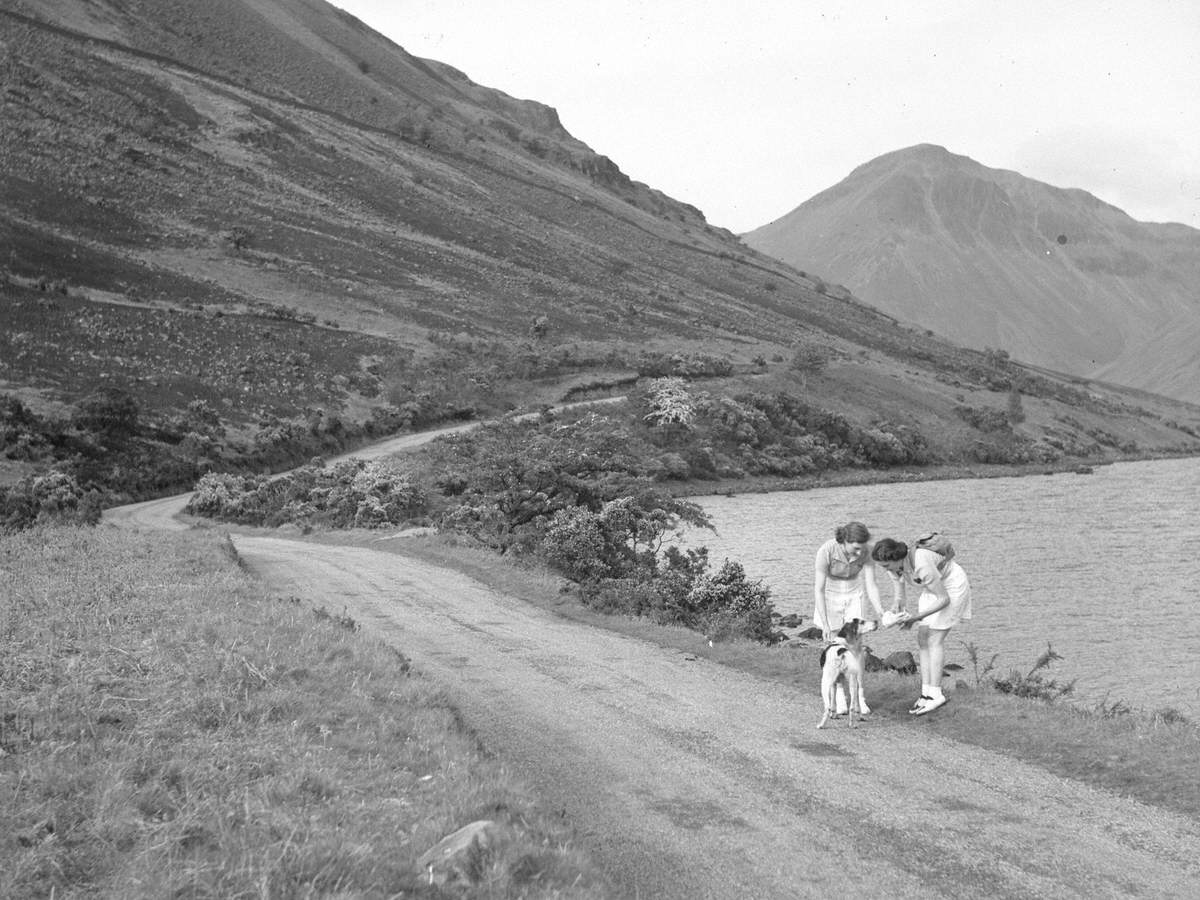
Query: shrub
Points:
[1033, 683]
[619, 540]
[725, 605]
[984, 419]
[512, 478]
[810, 357]
[687, 365]
[668, 402]
[350, 494]
[53, 497]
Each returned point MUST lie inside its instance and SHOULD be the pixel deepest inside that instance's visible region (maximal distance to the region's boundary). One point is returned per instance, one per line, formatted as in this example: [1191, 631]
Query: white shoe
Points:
[919, 705]
[930, 705]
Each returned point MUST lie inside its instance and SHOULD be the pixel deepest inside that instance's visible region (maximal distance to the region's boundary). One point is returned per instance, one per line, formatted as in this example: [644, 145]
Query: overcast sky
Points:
[747, 108]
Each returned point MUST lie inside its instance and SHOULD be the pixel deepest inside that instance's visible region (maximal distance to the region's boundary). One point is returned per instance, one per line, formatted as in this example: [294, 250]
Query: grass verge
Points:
[1149, 756]
[167, 729]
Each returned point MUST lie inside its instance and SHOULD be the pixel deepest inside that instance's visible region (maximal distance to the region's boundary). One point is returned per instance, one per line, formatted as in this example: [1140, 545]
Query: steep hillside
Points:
[989, 258]
[265, 206]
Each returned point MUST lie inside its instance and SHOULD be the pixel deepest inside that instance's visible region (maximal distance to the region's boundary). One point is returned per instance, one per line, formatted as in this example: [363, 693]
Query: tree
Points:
[809, 359]
[670, 403]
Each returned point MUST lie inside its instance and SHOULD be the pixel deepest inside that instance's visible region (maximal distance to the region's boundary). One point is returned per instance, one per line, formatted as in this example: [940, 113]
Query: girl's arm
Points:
[899, 597]
[872, 587]
[819, 577]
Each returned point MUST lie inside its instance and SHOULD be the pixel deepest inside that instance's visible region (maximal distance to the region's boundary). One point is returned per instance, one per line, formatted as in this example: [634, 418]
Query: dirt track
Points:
[690, 780]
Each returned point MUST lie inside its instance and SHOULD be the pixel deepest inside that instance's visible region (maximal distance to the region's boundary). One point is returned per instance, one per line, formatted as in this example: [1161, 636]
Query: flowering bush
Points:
[51, 498]
[355, 493]
[668, 403]
[725, 604]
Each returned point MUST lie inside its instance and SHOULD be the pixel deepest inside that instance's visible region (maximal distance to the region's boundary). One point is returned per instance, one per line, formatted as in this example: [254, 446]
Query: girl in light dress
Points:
[843, 581]
[944, 601]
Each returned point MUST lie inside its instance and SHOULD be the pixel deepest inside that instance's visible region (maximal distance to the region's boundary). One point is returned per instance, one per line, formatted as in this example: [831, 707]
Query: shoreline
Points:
[758, 484]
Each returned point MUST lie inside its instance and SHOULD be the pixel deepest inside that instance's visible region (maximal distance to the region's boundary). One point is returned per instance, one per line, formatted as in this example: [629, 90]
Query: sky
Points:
[747, 108]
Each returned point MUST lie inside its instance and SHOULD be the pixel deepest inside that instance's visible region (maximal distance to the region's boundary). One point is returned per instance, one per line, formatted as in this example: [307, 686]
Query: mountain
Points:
[263, 221]
[989, 258]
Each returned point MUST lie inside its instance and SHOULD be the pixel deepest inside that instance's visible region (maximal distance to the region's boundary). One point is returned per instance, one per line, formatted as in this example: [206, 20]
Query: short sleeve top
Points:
[921, 567]
[835, 562]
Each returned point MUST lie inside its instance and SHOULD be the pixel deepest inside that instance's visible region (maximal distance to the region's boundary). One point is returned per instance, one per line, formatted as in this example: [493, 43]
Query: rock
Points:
[873, 662]
[790, 621]
[811, 633]
[456, 855]
[901, 661]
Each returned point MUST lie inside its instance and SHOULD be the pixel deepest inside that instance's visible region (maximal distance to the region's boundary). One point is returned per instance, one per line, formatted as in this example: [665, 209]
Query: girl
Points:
[843, 577]
[943, 602]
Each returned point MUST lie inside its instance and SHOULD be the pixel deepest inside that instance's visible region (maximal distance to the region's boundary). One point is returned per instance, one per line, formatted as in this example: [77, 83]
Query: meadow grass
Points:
[1148, 755]
[169, 729]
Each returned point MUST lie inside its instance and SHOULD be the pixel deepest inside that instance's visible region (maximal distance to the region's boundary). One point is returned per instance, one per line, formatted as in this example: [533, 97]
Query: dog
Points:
[844, 662]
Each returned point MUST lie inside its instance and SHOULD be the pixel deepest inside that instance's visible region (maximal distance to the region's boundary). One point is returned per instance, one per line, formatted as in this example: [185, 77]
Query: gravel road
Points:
[689, 780]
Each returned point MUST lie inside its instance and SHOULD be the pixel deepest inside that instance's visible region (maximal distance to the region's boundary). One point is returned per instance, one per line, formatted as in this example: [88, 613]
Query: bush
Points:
[350, 494]
[725, 605]
[1033, 683]
[984, 419]
[50, 498]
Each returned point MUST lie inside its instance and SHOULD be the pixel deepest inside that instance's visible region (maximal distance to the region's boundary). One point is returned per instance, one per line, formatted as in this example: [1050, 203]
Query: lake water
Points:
[1100, 566]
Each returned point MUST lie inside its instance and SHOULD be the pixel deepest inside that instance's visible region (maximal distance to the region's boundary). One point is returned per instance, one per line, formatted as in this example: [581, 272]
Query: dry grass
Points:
[166, 729]
[1152, 756]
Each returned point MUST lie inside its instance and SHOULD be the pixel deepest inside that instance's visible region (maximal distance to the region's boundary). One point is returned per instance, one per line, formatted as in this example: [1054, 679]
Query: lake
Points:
[1099, 566]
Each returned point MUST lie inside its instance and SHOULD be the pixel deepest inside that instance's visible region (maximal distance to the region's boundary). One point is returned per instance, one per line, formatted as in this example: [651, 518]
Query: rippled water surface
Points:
[1100, 566]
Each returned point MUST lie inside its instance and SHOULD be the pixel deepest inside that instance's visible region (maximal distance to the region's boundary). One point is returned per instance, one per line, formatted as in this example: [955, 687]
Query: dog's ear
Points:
[850, 629]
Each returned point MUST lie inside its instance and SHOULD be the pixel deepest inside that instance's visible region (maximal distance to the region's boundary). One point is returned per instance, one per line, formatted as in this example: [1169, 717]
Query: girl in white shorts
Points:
[944, 601]
[843, 581]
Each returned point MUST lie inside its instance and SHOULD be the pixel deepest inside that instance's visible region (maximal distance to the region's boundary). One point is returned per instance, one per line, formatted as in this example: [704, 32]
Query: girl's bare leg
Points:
[923, 659]
[933, 657]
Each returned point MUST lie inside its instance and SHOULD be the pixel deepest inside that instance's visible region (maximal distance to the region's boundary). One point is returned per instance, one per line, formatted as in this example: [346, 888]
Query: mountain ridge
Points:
[988, 257]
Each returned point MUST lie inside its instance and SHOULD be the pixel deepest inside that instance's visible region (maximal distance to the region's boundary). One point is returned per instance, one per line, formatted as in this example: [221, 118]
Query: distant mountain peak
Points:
[989, 257]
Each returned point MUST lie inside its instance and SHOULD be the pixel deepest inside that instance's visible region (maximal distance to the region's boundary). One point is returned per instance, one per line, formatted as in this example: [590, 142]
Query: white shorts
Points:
[954, 579]
[844, 600]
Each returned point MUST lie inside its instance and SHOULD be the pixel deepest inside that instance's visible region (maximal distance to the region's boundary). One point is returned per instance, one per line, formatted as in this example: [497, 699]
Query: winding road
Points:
[686, 779]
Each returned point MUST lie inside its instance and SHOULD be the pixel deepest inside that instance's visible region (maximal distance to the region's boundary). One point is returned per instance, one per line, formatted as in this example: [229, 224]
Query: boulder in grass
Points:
[457, 856]
[872, 662]
[901, 661]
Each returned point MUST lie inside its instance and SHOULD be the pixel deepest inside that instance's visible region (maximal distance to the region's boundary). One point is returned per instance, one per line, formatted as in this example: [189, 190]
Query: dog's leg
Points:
[861, 678]
[853, 685]
[828, 688]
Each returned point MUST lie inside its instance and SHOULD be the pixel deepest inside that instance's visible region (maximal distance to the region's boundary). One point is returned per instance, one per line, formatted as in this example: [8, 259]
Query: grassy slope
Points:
[168, 729]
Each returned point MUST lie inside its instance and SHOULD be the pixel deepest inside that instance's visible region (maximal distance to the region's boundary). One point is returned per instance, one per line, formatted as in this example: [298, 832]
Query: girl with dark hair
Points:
[843, 579]
[944, 601]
